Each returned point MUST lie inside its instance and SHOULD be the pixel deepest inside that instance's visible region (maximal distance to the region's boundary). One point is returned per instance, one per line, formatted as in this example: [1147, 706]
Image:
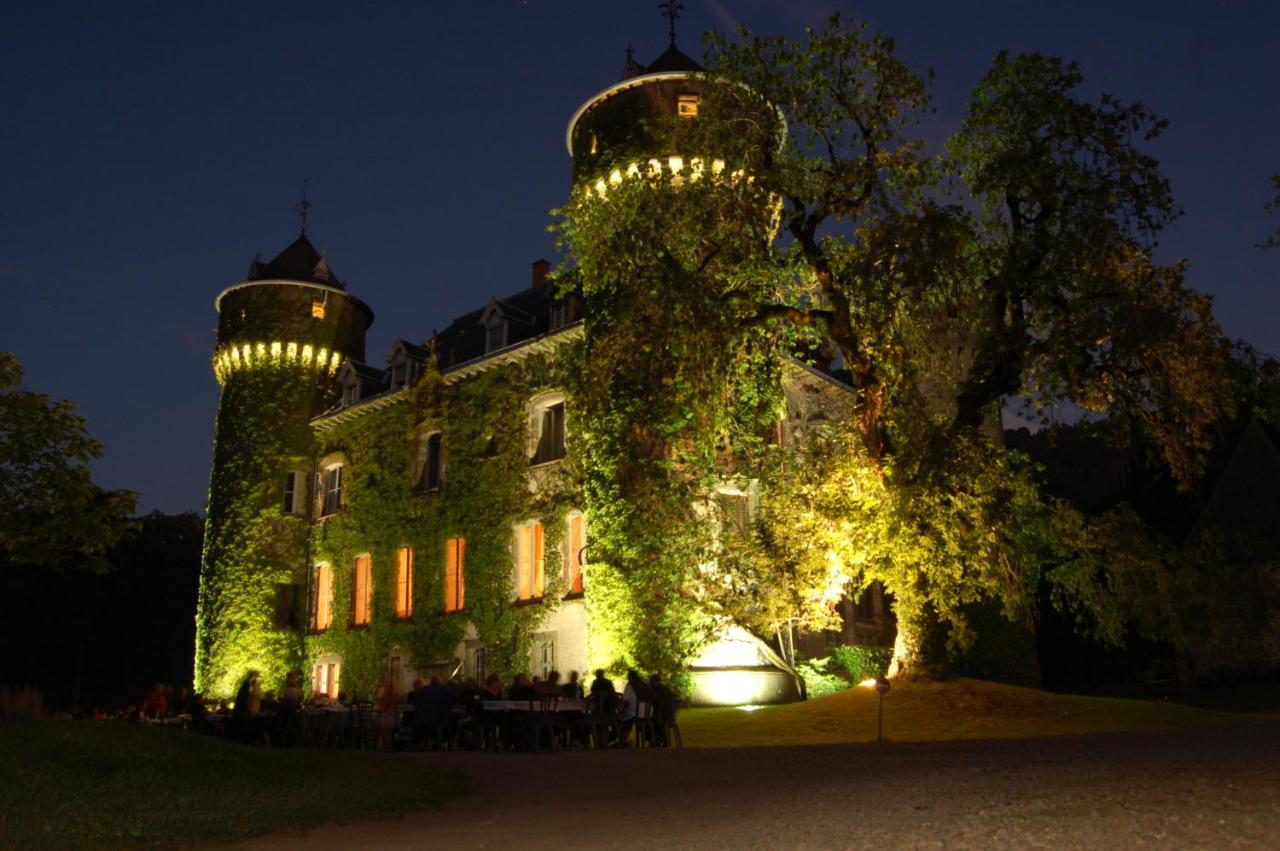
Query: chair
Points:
[546, 719]
[646, 732]
[595, 721]
[360, 729]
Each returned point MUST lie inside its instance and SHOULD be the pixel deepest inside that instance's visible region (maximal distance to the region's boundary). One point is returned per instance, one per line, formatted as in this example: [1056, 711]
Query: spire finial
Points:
[671, 9]
[630, 58]
[303, 206]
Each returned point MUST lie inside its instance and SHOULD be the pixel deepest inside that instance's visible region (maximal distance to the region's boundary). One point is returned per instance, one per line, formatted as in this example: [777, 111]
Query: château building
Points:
[427, 516]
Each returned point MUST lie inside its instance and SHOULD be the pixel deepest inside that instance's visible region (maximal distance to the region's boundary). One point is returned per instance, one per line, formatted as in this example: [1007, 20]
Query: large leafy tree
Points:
[54, 514]
[1016, 265]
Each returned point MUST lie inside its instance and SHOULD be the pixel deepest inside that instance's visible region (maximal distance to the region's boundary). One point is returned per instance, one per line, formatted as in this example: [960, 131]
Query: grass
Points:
[81, 784]
[934, 711]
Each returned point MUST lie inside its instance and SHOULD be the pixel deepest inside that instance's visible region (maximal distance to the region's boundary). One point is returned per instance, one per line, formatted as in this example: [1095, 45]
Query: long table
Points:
[560, 704]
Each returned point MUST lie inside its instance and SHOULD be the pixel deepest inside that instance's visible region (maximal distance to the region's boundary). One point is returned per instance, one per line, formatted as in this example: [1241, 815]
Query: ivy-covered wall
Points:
[487, 487]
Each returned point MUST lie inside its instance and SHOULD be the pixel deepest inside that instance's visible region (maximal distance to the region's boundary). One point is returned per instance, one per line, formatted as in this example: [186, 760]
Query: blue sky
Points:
[150, 149]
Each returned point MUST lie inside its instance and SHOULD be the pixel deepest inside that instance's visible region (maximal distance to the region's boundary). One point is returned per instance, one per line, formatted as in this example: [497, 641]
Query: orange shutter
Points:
[404, 582]
[450, 573]
[363, 591]
[522, 563]
[576, 543]
[462, 573]
[539, 561]
[324, 594]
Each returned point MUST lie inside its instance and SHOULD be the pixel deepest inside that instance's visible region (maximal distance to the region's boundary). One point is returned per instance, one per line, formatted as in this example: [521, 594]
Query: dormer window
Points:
[402, 374]
[351, 392]
[560, 313]
[495, 335]
[687, 106]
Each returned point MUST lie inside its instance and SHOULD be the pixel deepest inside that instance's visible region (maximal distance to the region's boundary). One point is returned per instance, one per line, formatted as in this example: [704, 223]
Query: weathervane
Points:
[303, 206]
[672, 9]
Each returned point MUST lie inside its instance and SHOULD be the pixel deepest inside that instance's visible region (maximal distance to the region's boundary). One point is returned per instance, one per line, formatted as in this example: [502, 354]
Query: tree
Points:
[1016, 266]
[54, 514]
[1273, 207]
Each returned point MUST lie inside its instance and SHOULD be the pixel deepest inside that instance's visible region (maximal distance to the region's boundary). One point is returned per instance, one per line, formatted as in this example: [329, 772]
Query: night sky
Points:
[148, 150]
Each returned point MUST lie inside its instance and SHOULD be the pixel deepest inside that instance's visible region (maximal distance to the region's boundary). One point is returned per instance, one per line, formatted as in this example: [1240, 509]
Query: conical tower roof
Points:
[631, 68]
[299, 262]
[673, 59]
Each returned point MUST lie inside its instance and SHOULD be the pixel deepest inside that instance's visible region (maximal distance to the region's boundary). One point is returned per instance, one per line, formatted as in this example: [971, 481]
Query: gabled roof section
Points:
[411, 351]
[363, 372]
[506, 310]
[299, 262]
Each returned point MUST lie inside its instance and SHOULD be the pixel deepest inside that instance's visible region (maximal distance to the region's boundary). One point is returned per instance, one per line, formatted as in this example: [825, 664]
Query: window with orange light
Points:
[321, 597]
[404, 582]
[362, 591]
[455, 585]
[530, 581]
[576, 542]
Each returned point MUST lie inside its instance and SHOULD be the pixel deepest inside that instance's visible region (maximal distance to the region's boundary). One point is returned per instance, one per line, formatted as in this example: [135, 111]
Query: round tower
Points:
[616, 127]
[659, 174]
[282, 334]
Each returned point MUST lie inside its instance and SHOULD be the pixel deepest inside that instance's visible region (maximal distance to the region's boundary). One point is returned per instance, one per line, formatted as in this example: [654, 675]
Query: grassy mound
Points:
[70, 784]
[933, 711]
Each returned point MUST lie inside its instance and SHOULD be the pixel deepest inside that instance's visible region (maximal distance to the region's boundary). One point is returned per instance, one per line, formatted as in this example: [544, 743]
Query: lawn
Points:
[933, 711]
[82, 784]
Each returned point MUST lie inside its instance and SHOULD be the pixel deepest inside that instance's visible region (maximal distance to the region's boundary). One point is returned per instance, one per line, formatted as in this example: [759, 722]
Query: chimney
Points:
[540, 270]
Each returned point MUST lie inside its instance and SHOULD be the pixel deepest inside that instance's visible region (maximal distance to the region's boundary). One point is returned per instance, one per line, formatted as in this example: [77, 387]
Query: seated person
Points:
[573, 688]
[522, 689]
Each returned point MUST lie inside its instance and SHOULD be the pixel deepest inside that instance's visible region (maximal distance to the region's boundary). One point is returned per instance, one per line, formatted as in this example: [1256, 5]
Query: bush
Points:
[861, 661]
[819, 679]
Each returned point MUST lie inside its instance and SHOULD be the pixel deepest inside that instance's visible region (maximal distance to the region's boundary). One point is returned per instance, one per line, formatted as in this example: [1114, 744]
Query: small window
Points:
[362, 591]
[317, 308]
[395, 670]
[455, 585]
[576, 546]
[544, 658]
[332, 490]
[320, 604]
[286, 593]
[530, 561]
[404, 582]
[735, 511]
[495, 337]
[351, 392]
[295, 492]
[324, 679]
[429, 478]
[402, 374]
[687, 106]
[550, 445]
[560, 313]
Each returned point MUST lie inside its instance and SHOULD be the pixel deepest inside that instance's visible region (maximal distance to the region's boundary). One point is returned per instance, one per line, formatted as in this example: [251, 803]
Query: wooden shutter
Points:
[363, 587]
[539, 562]
[577, 540]
[404, 582]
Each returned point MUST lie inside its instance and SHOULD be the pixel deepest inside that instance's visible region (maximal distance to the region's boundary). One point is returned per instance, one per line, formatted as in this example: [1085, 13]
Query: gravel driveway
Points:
[1207, 788]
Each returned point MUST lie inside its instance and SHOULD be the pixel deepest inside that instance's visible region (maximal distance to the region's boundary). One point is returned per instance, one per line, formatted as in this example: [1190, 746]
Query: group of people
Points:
[453, 712]
[450, 712]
